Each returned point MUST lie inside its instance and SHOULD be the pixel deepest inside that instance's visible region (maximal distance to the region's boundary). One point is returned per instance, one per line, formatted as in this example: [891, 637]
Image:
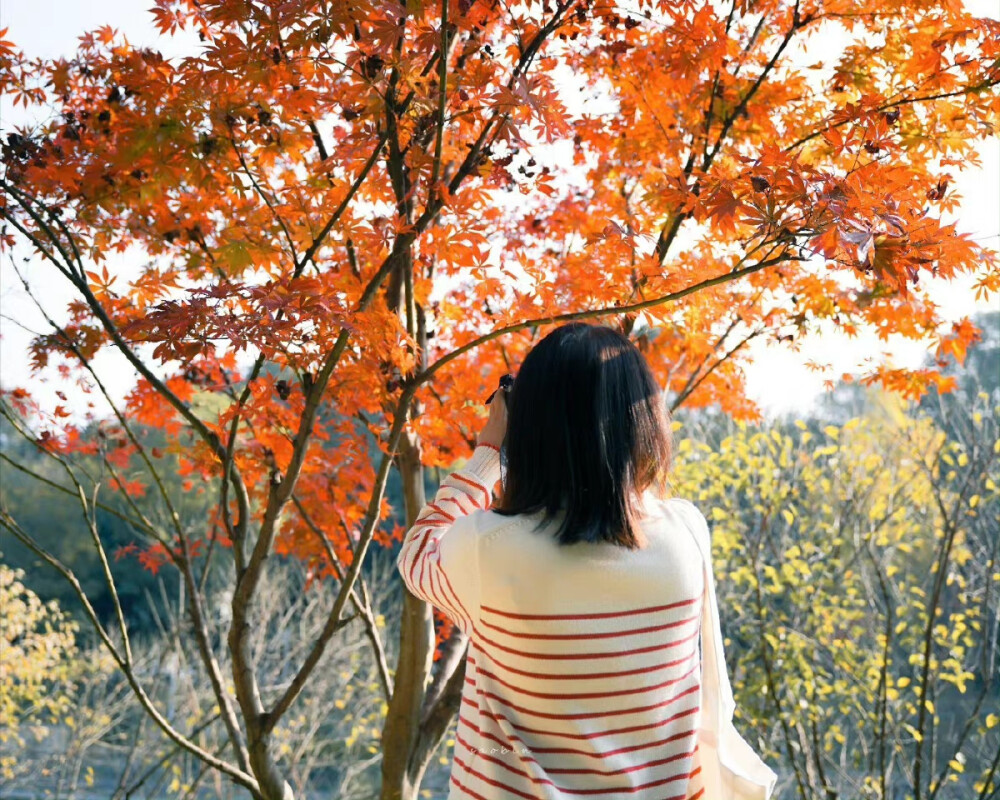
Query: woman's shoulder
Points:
[489, 521]
[690, 515]
[683, 506]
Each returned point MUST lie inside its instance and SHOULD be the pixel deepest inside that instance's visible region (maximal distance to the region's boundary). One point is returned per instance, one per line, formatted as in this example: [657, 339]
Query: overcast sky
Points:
[777, 378]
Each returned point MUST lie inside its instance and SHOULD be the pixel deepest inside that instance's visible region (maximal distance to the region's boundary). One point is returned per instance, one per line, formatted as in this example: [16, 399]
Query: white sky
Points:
[777, 377]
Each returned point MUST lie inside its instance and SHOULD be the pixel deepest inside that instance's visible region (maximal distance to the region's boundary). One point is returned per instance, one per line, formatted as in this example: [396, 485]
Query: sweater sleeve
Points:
[439, 559]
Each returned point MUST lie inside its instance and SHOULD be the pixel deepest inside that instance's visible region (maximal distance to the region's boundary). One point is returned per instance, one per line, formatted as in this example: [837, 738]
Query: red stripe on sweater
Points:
[427, 591]
[572, 656]
[455, 501]
[586, 676]
[442, 512]
[433, 589]
[446, 606]
[483, 489]
[416, 558]
[455, 596]
[490, 781]
[428, 518]
[547, 782]
[590, 635]
[600, 615]
[430, 591]
[658, 762]
[583, 695]
[462, 787]
[498, 718]
[593, 714]
[690, 732]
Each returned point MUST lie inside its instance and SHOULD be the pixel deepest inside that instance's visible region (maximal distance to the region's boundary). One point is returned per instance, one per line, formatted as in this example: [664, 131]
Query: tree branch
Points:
[426, 375]
[363, 608]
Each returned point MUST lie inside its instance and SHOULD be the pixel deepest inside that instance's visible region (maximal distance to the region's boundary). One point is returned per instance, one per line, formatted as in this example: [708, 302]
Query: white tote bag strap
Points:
[731, 770]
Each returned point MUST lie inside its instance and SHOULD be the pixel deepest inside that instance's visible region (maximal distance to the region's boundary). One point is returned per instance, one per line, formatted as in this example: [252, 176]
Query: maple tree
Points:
[385, 204]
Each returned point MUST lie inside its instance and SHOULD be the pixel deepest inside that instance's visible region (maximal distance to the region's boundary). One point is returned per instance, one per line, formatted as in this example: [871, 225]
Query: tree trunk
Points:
[416, 654]
[442, 703]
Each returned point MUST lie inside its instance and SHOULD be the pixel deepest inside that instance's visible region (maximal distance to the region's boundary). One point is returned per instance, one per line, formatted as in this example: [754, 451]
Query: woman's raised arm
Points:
[439, 560]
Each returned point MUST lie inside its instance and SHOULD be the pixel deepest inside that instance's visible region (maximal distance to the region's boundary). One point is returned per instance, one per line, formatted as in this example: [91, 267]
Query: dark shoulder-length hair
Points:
[588, 432]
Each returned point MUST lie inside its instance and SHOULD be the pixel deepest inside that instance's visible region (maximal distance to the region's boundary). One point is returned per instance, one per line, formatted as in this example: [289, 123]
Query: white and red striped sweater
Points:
[584, 672]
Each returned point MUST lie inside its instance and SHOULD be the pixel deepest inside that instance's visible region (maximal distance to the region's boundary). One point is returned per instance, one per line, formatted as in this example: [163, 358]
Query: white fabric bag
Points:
[730, 768]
